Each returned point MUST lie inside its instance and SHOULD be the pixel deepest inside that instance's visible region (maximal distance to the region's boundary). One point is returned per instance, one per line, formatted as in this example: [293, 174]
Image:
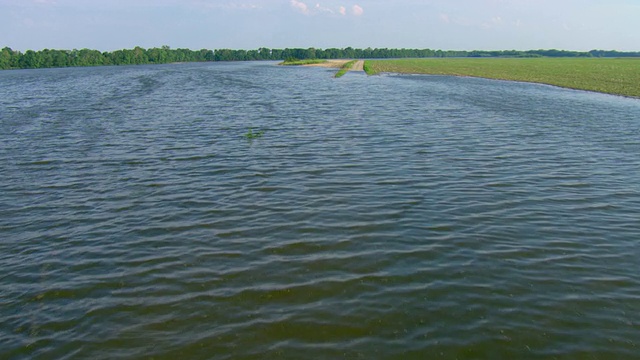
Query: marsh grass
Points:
[346, 67]
[611, 76]
[367, 68]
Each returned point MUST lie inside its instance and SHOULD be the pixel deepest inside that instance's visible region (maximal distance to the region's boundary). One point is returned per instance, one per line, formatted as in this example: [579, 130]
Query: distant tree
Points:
[277, 54]
[140, 56]
[87, 57]
[6, 55]
[614, 53]
[30, 60]
[106, 58]
[222, 55]
[207, 55]
[264, 53]
[348, 53]
[310, 53]
[10, 59]
[156, 56]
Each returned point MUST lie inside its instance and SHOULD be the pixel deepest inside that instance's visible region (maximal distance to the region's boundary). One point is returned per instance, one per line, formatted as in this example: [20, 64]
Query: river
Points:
[384, 217]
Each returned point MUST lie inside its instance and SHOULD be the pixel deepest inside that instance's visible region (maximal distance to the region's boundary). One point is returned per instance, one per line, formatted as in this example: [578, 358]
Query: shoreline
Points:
[332, 63]
[512, 80]
[357, 66]
[344, 65]
[605, 76]
[612, 76]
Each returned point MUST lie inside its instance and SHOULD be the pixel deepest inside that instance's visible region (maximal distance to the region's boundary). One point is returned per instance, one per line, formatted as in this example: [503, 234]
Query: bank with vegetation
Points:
[13, 59]
[298, 62]
[346, 67]
[619, 76]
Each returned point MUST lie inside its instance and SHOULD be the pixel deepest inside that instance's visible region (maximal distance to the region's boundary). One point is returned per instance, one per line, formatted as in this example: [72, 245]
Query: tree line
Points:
[12, 59]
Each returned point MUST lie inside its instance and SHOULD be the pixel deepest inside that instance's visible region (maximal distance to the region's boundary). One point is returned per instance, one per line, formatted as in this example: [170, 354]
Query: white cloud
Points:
[357, 10]
[320, 8]
[191, 4]
[245, 6]
[300, 6]
[445, 18]
[231, 6]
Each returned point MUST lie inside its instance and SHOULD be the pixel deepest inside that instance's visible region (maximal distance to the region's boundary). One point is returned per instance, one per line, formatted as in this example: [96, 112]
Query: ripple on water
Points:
[378, 217]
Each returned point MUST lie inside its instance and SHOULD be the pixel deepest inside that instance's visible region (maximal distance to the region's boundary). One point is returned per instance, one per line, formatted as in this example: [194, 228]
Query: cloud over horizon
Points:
[318, 8]
[300, 6]
[357, 10]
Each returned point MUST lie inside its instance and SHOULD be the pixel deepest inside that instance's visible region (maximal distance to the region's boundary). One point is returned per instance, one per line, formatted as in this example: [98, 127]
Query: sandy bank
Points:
[358, 66]
[330, 64]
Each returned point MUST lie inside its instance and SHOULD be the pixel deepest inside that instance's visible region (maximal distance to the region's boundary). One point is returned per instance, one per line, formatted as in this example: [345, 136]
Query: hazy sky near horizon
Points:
[249, 24]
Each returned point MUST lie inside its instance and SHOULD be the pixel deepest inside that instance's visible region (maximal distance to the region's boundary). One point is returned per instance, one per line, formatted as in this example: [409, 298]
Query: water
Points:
[378, 217]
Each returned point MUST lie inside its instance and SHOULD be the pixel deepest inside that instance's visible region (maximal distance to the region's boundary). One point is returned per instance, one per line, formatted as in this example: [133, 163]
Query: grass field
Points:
[611, 76]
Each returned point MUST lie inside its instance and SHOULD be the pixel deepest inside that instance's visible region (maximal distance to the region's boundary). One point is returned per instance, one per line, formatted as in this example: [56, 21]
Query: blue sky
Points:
[249, 24]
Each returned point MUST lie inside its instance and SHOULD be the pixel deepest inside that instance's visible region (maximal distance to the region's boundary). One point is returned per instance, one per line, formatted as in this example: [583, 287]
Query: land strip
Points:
[345, 68]
[358, 66]
[342, 64]
[330, 63]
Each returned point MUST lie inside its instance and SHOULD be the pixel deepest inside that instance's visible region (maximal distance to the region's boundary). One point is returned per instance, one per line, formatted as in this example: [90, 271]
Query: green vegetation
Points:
[611, 76]
[346, 67]
[250, 135]
[293, 61]
[11, 59]
[367, 68]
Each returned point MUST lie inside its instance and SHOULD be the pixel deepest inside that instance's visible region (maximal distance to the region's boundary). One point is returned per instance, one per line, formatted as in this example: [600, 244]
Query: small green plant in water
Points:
[253, 135]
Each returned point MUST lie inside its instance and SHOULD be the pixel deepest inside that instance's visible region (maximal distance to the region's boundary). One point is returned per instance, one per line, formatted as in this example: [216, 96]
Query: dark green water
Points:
[389, 217]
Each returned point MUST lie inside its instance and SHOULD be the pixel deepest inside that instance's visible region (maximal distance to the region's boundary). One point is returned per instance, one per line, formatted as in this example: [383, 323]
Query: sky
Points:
[109, 25]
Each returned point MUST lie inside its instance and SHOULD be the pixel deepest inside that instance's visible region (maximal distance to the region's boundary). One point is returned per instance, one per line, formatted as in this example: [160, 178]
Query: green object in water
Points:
[253, 135]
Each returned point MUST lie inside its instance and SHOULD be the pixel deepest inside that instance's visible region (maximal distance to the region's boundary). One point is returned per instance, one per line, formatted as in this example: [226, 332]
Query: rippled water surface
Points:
[387, 217]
